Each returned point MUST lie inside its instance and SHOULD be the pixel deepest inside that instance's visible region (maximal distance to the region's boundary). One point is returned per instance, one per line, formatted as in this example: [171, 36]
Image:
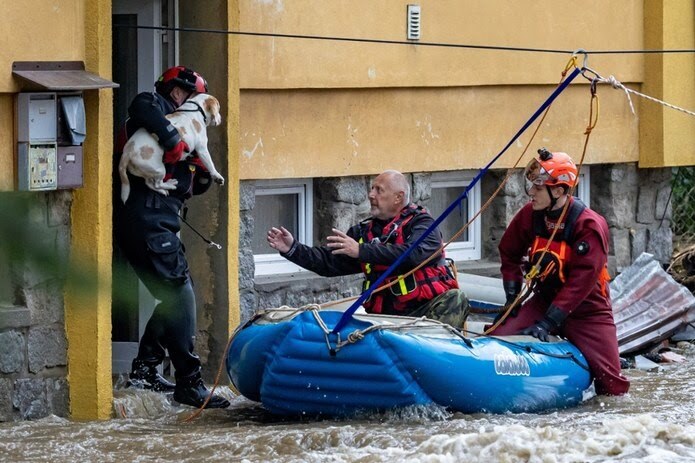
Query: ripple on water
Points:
[654, 423]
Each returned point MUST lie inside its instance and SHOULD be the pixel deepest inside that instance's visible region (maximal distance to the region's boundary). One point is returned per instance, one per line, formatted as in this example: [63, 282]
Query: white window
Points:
[446, 188]
[583, 190]
[287, 203]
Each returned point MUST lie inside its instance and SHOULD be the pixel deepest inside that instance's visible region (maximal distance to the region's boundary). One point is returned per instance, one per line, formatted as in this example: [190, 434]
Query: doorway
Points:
[139, 56]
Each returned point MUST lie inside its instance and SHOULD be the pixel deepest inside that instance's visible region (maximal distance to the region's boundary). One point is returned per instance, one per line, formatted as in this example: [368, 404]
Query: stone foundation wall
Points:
[33, 345]
[633, 201]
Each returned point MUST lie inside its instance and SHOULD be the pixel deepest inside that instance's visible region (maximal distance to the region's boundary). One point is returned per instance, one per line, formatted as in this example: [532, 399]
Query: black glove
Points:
[540, 330]
[511, 290]
[551, 323]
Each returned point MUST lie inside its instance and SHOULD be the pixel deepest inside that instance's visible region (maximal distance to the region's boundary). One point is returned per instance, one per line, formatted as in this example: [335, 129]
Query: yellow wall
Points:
[233, 168]
[329, 108]
[39, 30]
[668, 136]
[28, 32]
[557, 25]
[7, 151]
[70, 30]
[88, 310]
[291, 134]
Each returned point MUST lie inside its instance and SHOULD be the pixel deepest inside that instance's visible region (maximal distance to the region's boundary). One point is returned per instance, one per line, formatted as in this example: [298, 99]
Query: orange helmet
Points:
[551, 169]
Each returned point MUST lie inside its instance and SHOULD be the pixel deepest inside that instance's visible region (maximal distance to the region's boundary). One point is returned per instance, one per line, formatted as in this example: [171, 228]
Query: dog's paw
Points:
[219, 180]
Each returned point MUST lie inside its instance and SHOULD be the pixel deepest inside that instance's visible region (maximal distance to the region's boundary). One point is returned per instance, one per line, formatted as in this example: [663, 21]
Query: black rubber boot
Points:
[144, 375]
[191, 391]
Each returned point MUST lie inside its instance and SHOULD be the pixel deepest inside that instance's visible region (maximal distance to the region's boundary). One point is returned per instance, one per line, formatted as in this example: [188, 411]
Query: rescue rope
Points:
[183, 219]
[571, 63]
[616, 84]
[366, 294]
[531, 276]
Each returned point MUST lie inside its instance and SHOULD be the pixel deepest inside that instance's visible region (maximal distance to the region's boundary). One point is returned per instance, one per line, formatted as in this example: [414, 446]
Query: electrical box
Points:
[51, 128]
[37, 166]
[36, 117]
[69, 159]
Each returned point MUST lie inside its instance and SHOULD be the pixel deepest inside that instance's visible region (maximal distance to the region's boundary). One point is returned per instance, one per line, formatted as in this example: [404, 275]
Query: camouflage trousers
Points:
[450, 307]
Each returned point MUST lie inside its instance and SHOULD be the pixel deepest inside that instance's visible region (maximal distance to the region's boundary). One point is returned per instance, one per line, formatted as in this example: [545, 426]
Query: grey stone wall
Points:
[33, 347]
[635, 202]
[632, 200]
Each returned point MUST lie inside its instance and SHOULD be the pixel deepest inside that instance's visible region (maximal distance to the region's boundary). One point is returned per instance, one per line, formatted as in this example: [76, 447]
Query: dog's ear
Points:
[212, 107]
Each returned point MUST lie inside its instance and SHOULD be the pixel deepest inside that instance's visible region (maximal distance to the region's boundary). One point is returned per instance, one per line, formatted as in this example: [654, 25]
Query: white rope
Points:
[615, 83]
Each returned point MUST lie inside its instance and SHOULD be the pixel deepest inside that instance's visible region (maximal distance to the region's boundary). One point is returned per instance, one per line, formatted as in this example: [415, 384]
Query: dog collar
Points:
[197, 109]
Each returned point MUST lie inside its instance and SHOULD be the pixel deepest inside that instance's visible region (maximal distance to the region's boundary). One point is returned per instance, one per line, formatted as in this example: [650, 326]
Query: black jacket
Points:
[147, 110]
[321, 260]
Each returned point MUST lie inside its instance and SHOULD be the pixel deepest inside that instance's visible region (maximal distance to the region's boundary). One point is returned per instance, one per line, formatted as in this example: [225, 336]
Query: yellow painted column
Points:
[667, 135]
[233, 165]
[88, 293]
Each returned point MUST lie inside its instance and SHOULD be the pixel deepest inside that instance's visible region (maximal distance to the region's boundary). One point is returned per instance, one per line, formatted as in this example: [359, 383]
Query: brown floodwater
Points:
[655, 422]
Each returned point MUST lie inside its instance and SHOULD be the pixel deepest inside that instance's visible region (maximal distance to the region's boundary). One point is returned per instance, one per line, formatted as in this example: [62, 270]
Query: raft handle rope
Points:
[365, 295]
[358, 335]
[420, 323]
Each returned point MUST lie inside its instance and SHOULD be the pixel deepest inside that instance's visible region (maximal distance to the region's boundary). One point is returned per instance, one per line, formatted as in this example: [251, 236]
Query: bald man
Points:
[374, 244]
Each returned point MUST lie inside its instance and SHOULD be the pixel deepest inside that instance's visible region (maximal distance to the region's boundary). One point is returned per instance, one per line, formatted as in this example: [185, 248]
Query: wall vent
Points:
[413, 22]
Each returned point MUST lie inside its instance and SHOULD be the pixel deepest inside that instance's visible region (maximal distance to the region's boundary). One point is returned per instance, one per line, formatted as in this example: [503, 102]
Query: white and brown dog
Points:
[142, 155]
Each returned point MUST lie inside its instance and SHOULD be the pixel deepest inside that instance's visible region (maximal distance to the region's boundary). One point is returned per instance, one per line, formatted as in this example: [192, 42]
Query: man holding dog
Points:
[145, 229]
[374, 244]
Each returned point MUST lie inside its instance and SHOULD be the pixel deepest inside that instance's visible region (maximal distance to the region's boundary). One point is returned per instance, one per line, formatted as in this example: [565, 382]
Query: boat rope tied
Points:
[366, 294]
[334, 343]
[616, 84]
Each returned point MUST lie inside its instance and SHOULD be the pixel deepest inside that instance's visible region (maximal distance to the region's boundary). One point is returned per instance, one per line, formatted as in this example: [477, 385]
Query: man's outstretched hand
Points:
[280, 239]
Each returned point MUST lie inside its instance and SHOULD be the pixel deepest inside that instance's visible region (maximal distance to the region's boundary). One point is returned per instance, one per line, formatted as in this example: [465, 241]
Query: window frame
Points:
[584, 185]
[273, 263]
[472, 248]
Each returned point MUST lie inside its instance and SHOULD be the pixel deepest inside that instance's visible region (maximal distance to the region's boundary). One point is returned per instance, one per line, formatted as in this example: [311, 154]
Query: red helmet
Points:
[552, 169]
[180, 76]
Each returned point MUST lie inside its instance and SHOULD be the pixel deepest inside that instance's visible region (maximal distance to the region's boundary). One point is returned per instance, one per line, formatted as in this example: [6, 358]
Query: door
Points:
[139, 57]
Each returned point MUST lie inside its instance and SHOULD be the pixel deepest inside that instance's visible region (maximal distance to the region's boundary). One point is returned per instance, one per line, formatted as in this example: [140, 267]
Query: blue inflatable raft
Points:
[288, 360]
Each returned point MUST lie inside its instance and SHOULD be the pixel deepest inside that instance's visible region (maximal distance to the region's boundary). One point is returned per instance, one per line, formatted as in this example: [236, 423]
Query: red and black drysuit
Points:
[381, 243]
[145, 230]
[582, 298]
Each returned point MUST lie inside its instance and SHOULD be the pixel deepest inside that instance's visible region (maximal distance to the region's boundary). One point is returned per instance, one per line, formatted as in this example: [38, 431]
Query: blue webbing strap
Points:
[365, 295]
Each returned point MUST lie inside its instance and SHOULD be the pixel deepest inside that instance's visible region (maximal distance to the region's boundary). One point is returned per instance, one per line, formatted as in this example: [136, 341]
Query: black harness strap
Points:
[576, 208]
[197, 109]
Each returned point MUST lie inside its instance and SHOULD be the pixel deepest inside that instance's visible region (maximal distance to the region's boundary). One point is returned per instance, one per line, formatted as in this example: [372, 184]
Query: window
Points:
[446, 187]
[286, 203]
[583, 190]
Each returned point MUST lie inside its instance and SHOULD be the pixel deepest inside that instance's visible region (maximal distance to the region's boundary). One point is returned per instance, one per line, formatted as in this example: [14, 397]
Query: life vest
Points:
[552, 269]
[408, 292]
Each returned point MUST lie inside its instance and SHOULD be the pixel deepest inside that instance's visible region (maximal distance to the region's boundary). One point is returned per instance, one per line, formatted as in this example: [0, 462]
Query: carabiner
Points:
[586, 56]
[593, 74]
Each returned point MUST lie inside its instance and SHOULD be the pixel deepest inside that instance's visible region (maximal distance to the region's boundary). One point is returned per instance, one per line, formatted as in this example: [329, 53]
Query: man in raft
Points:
[372, 245]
